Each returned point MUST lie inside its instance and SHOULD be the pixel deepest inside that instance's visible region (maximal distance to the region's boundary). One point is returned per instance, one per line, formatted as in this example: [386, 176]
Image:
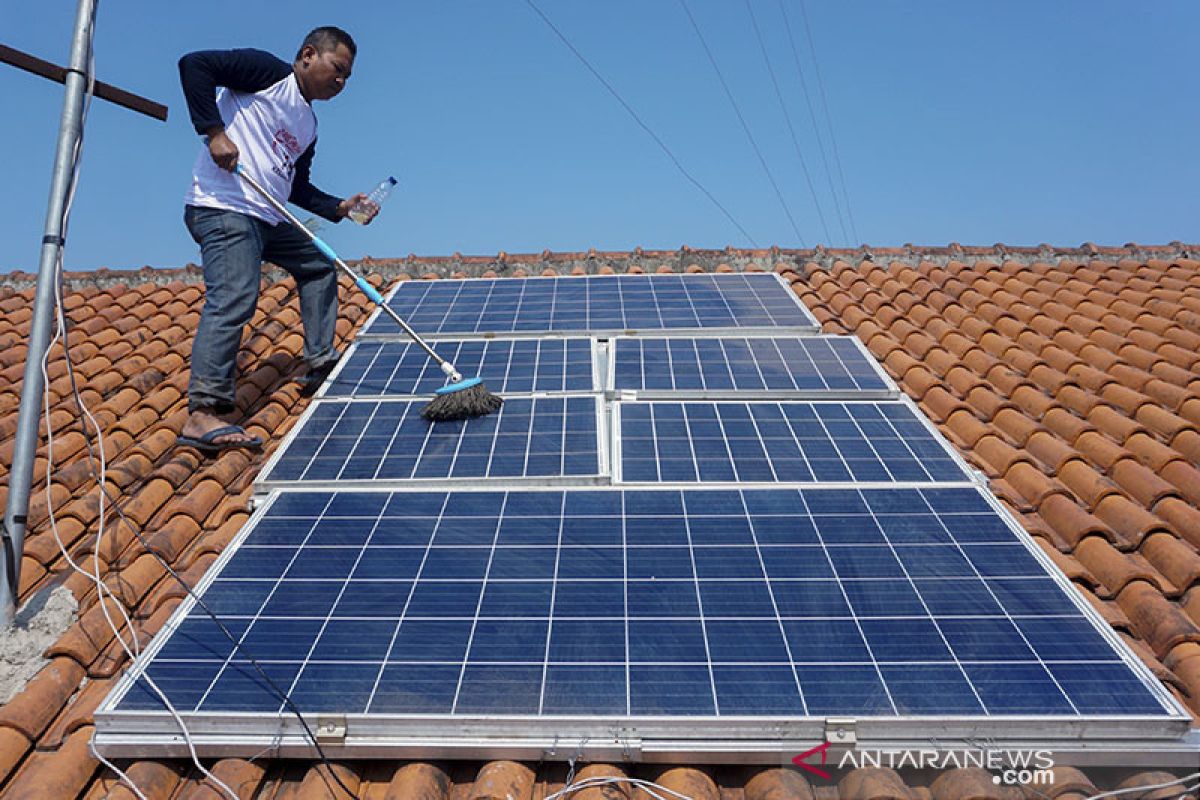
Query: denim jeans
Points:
[233, 247]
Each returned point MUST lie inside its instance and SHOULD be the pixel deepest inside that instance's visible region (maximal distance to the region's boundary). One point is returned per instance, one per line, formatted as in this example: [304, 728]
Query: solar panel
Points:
[743, 366]
[638, 604]
[794, 442]
[350, 442]
[594, 304]
[506, 365]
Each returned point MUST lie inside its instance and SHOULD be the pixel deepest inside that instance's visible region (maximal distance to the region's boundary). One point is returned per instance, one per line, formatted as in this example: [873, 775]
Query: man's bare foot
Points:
[200, 423]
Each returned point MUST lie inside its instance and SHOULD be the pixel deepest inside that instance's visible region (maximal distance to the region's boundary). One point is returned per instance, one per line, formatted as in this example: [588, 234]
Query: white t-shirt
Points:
[272, 129]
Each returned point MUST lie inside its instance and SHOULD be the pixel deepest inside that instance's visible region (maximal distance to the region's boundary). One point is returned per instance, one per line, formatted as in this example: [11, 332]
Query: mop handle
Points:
[366, 288]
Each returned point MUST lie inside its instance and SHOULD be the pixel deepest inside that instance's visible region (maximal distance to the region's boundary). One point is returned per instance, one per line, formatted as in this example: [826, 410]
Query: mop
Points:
[462, 398]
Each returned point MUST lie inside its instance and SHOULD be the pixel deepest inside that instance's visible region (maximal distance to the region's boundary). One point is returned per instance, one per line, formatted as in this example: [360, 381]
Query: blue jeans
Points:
[233, 247]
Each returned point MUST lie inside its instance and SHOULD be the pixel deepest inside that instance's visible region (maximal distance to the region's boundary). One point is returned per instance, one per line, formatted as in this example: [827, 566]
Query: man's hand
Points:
[371, 209]
[222, 149]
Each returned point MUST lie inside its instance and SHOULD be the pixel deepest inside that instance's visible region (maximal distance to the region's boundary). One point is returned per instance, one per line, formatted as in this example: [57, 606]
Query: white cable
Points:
[101, 589]
[128, 781]
[1177, 782]
[589, 783]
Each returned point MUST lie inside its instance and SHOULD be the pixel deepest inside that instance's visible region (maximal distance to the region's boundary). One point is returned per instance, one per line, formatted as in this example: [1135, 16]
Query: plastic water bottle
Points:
[361, 211]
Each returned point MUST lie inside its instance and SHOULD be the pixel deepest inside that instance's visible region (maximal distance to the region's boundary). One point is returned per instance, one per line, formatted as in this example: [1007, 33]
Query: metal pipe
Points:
[21, 471]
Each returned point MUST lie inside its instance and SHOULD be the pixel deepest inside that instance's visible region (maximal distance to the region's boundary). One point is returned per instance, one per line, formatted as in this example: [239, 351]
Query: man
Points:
[263, 120]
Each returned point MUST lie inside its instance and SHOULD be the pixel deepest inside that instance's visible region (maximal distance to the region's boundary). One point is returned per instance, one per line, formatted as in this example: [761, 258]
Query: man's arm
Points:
[244, 70]
[309, 197]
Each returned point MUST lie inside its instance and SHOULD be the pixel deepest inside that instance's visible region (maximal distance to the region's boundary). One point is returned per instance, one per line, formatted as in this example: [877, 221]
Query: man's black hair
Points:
[327, 37]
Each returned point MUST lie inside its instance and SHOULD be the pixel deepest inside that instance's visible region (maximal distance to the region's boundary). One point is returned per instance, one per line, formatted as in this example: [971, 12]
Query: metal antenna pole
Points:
[19, 476]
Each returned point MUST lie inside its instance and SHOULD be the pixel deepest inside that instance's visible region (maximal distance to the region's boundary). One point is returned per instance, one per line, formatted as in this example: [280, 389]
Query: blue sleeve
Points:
[307, 196]
[244, 70]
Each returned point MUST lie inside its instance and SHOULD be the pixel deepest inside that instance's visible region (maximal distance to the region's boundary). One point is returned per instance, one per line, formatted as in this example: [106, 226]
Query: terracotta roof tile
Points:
[1100, 450]
[1159, 623]
[31, 711]
[1071, 522]
[771, 784]
[77, 714]
[14, 745]
[1087, 484]
[1130, 520]
[499, 780]
[64, 772]
[1113, 423]
[1150, 451]
[1141, 483]
[873, 783]
[1184, 477]
[1183, 517]
[1033, 485]
[1116, 569]
[1188, 443]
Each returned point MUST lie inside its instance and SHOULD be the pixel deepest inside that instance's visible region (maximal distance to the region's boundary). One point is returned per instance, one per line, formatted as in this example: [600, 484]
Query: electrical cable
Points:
[116, 770]
[837, 159]
[102, 591]
[100, 477]
[648, 787]
[639, 121]
[812, 115]
[742, 119]
[791, 128]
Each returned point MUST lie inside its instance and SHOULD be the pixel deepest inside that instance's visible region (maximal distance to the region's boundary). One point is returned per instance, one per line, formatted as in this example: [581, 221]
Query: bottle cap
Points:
[391, 180]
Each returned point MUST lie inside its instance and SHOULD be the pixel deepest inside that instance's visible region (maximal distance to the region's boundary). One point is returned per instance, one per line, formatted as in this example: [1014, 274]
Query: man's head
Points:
[324, 62]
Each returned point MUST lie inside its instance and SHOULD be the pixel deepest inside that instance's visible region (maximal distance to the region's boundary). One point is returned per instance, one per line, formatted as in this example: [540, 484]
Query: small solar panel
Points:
[743, 366]
[594, 304]
[341, 441]
[628, 604]
[794, 442]
[506, 366]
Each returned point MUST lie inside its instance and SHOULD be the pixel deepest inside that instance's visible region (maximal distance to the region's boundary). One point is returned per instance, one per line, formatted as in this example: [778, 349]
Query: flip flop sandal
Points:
[206, 444]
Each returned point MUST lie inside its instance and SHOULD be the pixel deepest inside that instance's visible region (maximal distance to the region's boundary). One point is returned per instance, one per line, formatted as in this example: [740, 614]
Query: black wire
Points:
[742, 119]
[638, 120]
[837, 159]
[812, 115]
[791, 128]
[63, 222]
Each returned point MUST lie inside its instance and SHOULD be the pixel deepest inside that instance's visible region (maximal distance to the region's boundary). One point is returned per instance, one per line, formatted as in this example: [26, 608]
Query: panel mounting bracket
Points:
[842, 732]
[331, 729]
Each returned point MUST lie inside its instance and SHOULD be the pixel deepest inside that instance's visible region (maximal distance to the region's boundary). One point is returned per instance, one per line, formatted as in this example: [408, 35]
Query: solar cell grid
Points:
[387, 440]
[645, 602]
[506, 366]
[797, 442]
[594, 303]
[744, 364]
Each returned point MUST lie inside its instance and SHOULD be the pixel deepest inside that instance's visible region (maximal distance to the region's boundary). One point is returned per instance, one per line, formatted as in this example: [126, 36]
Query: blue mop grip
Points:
[324, 248]
[369, 291]
[458, 387]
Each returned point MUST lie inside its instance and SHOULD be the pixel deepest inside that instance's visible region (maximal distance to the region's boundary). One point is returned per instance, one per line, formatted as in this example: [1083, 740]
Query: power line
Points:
[812, 115]
[639, 121]
[828, 118]
[742, 119]
[791, 129]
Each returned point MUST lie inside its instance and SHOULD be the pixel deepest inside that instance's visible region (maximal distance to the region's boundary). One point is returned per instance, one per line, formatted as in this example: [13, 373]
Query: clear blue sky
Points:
[1016, 122]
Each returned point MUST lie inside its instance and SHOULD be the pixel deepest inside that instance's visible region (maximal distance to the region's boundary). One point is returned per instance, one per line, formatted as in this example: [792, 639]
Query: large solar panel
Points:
[594, 304]
[507, 366]
[791, 442]
[743, 366]
[347, 442]
[635, 604]
[503, 600]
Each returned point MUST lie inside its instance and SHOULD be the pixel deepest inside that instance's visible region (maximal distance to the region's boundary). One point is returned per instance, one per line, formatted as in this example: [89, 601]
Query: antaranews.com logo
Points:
[1008, 767]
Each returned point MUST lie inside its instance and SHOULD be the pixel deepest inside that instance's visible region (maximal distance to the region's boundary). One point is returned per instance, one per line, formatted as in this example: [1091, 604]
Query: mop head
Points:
[462, 400]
